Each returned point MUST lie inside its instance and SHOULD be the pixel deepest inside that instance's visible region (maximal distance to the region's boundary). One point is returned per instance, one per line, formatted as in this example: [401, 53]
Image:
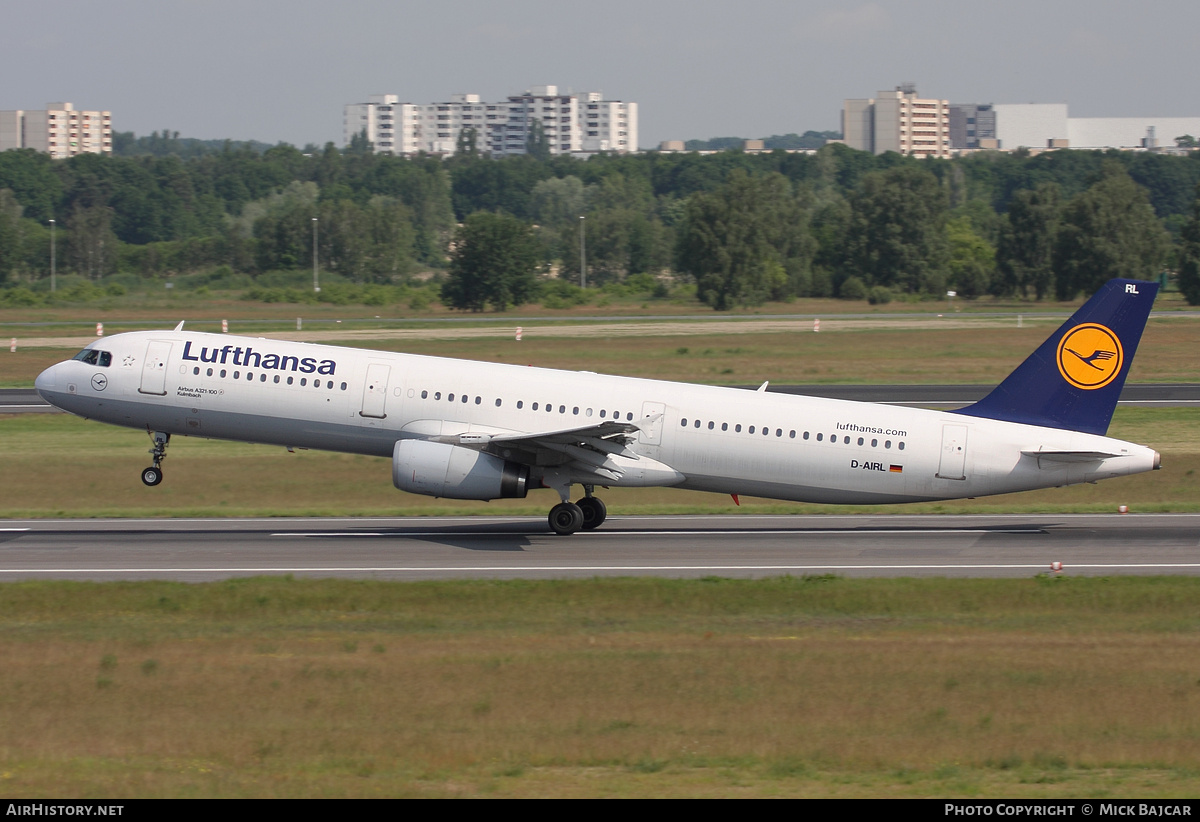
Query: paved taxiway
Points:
[672, 546]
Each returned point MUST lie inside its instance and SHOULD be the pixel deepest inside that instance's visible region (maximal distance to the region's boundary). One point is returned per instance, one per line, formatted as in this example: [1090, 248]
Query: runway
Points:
[668, 546]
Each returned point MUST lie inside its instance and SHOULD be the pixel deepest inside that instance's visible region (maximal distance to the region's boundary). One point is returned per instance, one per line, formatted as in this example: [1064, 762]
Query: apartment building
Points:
[569, 123]
[59, 130]
[899, 121]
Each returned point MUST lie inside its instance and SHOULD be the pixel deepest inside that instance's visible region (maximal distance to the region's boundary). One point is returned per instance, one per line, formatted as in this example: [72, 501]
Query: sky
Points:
[281, 70]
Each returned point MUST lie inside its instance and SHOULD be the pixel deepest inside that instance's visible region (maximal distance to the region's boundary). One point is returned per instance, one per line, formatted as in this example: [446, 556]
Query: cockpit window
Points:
[94, 356]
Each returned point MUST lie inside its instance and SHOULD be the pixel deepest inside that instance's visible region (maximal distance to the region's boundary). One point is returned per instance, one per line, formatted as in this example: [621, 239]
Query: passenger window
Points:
[209, 374]
[196, 371]
[697, 423]
[449, 398]
[222, 373]
[820, 437]
[465, 398]
[424, 395]
[887, 443]
[860, 440]
[737, 428]
[478, 400]
[343, 384]
[330, 385]
[534, 406]
[497, 402]
[291, 380]
[751, 429]
[263, 378]
[724, 426]
[874, 443]
[277, 379]
[901, 446]
[683, 422]
[520, 404]
[603, 413]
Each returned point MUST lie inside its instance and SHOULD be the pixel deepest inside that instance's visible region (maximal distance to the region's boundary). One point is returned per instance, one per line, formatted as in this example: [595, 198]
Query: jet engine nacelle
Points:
[440, 470]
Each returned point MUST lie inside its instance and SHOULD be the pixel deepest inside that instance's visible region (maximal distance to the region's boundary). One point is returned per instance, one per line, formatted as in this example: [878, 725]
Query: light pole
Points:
[582, 255]
[53, 283]
[316, 286]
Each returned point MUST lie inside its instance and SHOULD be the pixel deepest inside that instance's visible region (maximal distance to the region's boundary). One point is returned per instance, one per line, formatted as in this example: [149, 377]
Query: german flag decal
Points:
[896, 469]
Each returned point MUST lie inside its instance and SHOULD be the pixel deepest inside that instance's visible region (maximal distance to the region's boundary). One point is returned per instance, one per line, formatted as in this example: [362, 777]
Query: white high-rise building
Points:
[59, 130]
[570, 123]
[898, 121]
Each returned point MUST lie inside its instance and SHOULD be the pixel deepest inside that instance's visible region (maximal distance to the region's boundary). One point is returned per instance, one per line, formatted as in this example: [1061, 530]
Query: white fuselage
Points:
[725, 440]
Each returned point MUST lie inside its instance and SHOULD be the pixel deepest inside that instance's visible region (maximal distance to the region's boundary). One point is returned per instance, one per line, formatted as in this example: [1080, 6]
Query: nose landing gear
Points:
[153, 475]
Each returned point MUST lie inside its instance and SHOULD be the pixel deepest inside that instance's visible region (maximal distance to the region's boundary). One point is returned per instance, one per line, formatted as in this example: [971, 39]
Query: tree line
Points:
[743, 228]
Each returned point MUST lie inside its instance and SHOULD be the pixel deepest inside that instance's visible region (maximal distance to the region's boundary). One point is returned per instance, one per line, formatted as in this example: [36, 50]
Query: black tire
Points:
[152, 476]
[594, 512]
[565, 518]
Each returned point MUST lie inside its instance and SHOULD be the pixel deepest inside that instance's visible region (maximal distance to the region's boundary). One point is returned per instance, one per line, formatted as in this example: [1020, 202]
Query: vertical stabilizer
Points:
[1074, 379]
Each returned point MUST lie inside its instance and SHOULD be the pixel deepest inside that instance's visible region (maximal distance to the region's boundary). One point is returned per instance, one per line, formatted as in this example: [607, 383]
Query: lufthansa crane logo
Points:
[1090, 356]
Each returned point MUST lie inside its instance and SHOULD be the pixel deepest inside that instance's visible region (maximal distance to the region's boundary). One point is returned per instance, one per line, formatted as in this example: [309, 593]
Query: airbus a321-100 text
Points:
[482, 431]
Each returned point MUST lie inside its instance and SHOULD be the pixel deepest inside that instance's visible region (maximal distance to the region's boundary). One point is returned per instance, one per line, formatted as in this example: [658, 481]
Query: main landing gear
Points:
[568, 517]
[153, 475]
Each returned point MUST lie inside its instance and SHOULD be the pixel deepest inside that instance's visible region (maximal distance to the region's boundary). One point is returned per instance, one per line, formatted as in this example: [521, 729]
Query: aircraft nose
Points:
[46, 381]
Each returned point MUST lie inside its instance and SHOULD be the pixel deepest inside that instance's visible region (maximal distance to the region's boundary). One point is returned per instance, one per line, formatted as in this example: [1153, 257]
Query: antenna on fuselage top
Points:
[180, 326]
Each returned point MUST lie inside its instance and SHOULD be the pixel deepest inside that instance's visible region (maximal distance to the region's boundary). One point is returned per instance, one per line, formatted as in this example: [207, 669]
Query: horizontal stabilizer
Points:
[1071, 456]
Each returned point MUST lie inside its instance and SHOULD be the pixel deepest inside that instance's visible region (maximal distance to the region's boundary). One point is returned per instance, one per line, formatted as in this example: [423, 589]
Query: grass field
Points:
[1046, 687]
[154, 303]
[58, 466]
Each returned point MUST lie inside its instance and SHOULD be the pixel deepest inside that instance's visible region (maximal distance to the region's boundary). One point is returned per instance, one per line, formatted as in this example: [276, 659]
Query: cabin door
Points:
[374, 398]
[954, 453]
[652, 434]
[154, 368]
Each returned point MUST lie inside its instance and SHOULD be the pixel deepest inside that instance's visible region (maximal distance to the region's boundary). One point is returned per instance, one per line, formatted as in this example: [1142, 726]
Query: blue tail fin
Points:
[1074, 379]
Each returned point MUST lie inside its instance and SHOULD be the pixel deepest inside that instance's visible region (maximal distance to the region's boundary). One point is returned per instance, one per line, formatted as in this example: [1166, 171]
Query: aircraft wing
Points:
[600, 449]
